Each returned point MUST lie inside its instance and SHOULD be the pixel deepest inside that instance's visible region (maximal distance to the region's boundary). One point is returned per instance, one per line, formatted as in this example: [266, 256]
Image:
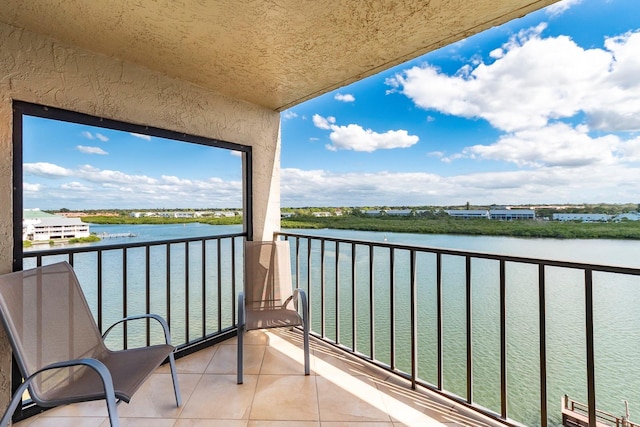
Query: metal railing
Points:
[576, 413]
[383, 320]
[191, 282]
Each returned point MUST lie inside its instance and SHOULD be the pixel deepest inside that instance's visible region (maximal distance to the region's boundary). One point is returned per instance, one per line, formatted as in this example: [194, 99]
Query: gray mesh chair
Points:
[268, 300]
[58, 347]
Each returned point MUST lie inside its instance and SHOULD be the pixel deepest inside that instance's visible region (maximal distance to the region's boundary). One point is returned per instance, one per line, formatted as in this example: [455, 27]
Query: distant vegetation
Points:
[423, 219]
[126, 219]
[442, 225]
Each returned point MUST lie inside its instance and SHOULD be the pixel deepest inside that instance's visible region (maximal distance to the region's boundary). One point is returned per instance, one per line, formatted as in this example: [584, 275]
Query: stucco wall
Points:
[40, 70]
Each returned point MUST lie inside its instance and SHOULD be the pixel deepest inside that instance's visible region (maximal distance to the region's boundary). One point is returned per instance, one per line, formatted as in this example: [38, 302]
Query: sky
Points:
[542, 110]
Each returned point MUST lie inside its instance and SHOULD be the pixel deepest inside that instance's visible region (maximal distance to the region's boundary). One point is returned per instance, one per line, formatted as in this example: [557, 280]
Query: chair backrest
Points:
[48, 320]
[267, 282]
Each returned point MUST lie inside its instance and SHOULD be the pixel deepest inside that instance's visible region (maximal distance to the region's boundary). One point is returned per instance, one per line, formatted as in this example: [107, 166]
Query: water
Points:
[617, 336]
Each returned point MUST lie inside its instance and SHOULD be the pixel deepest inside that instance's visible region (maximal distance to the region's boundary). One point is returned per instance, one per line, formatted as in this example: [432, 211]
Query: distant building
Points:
[321, 214]
[40, 226]
[286, 214]
[629, 216]
[584, 217]
[468, 213]
[398, 212]
[512, 214]
[373, 212]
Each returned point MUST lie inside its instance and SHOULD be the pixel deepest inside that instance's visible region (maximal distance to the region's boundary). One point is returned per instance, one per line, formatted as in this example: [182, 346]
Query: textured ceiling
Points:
[274, 53]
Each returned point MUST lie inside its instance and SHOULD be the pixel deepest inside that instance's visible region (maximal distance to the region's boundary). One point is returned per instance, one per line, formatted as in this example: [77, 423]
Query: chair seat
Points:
[129, 369]
[272, 318]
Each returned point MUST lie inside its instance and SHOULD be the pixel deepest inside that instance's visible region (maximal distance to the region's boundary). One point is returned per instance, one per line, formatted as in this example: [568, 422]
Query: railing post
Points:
[503, 339]
[469, 331]
[543, 346]
[414, 322]
[591, 380]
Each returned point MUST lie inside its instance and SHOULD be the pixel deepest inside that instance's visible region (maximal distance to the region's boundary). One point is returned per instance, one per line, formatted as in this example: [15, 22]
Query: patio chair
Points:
[268, 300]
[58, 347]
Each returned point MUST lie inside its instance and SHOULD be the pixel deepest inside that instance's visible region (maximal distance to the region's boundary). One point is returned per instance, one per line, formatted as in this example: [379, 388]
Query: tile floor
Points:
[341, 391]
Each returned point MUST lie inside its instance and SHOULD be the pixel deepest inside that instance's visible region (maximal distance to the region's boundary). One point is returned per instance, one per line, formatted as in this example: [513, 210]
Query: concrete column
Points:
[266, 186]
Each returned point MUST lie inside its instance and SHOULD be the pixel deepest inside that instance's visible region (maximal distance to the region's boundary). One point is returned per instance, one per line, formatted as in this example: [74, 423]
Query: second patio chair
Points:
[268, 300]
[58, 347]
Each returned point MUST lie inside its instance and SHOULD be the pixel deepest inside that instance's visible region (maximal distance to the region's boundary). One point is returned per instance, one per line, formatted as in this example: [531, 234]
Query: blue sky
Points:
[544, 109]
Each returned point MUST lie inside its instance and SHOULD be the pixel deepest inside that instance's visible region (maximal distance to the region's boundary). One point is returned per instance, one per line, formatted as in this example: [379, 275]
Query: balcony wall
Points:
[38, 69]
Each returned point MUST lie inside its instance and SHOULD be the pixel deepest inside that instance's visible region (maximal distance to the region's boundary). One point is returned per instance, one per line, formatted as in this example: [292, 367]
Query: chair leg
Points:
[305, 329]
[174, 377]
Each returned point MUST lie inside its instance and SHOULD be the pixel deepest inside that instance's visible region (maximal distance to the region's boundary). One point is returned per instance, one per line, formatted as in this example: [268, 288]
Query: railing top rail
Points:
[115, 246]
[455, 252]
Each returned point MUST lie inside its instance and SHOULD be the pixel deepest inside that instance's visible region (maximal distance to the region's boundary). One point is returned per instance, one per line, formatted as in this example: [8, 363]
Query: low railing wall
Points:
[400, 308]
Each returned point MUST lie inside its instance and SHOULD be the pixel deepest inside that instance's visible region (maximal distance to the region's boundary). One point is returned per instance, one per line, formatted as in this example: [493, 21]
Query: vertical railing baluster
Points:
[439, 319]
[219, 267]
[354, 306]
[309, 296]
[543, 345]
[233, 280]
[469, 331]
[100, 312]
[124, 297]
[337, 293]
[203, 290]
[186, 291]
[323, 305]
[591, 380]
[168, 287]
[503, 339]
[297, 262]
[71, 259]
[147, 269]
[392, 308]
[372, 317]
[414, 320]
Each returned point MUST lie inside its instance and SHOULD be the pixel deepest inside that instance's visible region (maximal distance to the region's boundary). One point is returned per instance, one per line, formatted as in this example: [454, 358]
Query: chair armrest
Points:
[300, 294]
[94, 364]
[160, 319]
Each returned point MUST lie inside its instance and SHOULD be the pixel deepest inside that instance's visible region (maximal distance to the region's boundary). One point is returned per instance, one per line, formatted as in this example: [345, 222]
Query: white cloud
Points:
[88, 135]
[33, 188]
[535, 80]
[141, 136]
[322, 122]
[96, 188]
[47, 170]
[561, 7]
[289, 115]
[586, 184]
[347, 97]
[91, 150]
[75, 186]
[101, 137]
[98, 136]
[236, 153]
[355, 137]
[554, 145]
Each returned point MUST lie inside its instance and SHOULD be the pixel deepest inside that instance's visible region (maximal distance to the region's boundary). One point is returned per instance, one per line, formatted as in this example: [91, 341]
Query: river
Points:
[617, 334]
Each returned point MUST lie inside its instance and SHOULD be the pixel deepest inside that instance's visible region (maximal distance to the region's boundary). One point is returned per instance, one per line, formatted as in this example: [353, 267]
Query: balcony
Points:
[341, 390]
[384, 322]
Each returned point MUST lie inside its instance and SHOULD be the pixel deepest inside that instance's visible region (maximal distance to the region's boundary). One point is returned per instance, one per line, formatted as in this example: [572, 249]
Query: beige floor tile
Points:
[48, 421]
[279, 362]
[280, 423]
[225, 361]
[210, 423]
[219, 397]
[285, 397]
[143, 422]
[351, 399]
[355, 424]
[156, 397]
[194, 363]
[259, 337]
